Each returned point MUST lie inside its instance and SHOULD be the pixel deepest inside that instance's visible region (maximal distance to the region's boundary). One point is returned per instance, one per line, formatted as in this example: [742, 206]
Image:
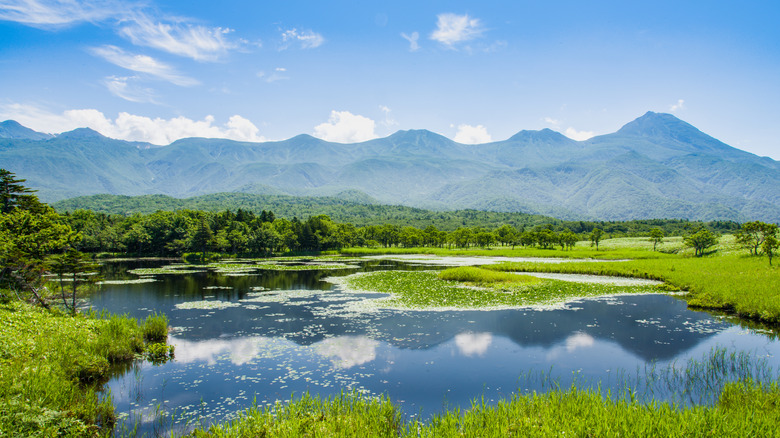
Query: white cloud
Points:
[131, 127]
[468, 134]
[473, 344]
[125, 88]
[198, 42]
[677, 106]
[413, 45]
[452, 29]
[42, 13]
[554, 122]
[345, 127]
[143, 64]
[306, 38]
[578, 135]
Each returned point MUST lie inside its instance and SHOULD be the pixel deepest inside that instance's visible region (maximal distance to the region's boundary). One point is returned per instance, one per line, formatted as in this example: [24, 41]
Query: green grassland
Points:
[52, 365]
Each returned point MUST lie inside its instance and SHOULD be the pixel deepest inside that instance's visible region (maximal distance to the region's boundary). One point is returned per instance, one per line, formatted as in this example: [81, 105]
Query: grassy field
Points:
[52, 365]
[745, 285]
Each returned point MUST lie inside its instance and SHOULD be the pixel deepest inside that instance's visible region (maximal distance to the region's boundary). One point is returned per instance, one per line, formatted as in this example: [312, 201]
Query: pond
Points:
[267, 335]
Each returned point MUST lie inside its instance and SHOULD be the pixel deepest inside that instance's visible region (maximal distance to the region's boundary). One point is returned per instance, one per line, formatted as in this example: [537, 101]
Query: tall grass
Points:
[745, 285]
[743, 409]
[51, 368]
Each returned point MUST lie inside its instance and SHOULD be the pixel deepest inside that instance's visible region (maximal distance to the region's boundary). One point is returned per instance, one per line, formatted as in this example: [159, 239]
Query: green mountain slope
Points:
[654, 166]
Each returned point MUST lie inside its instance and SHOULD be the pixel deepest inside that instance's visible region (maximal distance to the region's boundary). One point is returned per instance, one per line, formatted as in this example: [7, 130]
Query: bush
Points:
[155, 328]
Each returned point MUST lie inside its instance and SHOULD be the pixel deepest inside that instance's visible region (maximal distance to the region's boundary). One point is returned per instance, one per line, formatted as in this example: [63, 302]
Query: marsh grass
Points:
[345, 415]
[424, 290]
[742, 284]
[52, 366]
[477, 275]
[155, 328]
[742, 409]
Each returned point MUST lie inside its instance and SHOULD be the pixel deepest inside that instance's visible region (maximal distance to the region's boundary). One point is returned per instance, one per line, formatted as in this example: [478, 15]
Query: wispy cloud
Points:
[43, 13]
[143, 64]
[277, 75]
[413, 45]
[129, 126]
[127, 89]
[345, 127]
[306, 39]
[468, 134]
[133, 21]
[198, 42]
[389, 121]
[677, 106]
[452, 29]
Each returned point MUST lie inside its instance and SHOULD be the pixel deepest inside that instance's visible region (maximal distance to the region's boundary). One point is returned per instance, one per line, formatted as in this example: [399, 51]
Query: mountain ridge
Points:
[654, 166]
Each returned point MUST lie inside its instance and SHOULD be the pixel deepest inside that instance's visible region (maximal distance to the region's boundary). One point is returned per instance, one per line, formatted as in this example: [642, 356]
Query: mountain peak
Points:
[653, 124]
[81, 133]
[545, 135]
[13, 129]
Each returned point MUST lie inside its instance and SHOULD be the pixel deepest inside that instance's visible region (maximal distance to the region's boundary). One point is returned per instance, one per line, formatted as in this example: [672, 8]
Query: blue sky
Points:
[348, 71]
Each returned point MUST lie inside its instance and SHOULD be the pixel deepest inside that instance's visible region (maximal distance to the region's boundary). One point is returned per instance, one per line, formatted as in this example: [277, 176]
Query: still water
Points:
[264, 336]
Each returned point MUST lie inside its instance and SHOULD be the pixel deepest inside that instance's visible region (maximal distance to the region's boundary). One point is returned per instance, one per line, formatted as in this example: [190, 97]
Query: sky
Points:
[348, 71]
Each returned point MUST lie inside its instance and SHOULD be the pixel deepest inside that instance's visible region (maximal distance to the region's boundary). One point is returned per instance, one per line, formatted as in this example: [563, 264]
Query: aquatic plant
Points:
[424, 290]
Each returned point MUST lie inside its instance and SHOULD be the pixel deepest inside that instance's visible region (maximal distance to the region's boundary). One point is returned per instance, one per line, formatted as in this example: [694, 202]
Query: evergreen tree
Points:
[12, 192]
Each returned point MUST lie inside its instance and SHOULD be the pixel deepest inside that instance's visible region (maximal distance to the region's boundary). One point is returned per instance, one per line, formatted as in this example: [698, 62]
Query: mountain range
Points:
[656, 166]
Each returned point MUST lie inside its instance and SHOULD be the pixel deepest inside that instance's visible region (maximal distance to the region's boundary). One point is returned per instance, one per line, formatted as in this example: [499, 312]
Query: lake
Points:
[267, 335]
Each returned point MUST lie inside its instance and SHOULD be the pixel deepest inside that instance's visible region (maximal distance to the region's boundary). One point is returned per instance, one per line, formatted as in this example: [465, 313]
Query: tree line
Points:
[36, 241]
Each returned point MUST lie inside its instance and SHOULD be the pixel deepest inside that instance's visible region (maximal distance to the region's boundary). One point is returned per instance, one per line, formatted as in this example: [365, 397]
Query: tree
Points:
[753, 234]
[700, 241]
[770, 246]
[568, 239]
[12, 192]
[202, 238]
[595, 237]
[656, 236]
[78, 266]
[26, 238]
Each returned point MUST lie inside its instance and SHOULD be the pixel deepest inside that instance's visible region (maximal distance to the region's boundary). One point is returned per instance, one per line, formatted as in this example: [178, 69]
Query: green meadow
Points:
[52, 365]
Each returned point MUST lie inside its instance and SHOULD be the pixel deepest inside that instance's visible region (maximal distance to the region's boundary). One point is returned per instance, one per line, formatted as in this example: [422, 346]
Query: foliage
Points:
[12, 193]
[753, 234]
[656, 236]
[700, 241]
[365, 214]
[595, 237]
[27, 236]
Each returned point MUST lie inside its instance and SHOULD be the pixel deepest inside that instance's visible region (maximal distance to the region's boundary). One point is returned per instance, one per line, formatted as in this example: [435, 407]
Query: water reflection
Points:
[284, 333]
[473, 344]
[348, 351]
